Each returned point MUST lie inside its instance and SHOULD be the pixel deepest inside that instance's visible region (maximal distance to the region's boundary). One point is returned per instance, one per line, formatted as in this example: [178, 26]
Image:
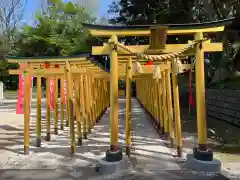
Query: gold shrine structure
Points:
[156, 84]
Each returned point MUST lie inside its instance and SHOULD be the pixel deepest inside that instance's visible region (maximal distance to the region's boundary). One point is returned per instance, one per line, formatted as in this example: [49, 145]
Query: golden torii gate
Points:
[84, 85]
[121, 67]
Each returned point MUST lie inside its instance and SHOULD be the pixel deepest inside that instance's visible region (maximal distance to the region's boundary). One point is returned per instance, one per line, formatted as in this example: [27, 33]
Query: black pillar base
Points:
[38, 141]
[112, 156]
[162, 130]
[179, 151]
[166, 135]
[171, 145]
[202, 155]
[56, 131]
[79, 142]
[67, 124]
[158, 125]
[157, 128]
[48, 137]
[85, 135]
[97, 120]
[128, 151]
[72, 150]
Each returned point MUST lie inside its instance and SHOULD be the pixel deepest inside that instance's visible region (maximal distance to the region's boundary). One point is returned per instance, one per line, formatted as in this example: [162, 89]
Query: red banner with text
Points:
[20, 101]
[52, 94]
[64, 91]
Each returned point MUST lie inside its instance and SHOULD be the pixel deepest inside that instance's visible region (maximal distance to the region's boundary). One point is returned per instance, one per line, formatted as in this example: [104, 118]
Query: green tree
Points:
[133, 12]
[59, 31]
[172, 11]
[11, 13]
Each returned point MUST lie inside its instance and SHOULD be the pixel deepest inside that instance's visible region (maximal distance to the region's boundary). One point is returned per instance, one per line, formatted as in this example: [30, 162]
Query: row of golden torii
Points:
[153, 92]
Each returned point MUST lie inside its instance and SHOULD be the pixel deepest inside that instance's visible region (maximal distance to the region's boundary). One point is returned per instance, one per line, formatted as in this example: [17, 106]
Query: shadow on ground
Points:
[222, 136]
[55, 153]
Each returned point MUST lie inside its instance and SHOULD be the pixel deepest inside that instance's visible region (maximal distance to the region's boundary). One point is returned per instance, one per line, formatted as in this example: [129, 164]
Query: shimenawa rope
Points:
[176, 63]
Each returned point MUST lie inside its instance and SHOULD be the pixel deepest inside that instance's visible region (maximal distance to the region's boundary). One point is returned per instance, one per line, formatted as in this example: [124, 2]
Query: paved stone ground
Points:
[151, 158]
[223, 139]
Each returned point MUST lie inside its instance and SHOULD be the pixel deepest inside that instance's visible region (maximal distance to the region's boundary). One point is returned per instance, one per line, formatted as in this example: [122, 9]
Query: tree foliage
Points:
[11, 12]
[135, 12]
[58, 31]
[172, 11]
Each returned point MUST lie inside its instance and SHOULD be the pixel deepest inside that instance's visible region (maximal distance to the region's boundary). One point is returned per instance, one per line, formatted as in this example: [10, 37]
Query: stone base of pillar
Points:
[194, 164]
[113, 162]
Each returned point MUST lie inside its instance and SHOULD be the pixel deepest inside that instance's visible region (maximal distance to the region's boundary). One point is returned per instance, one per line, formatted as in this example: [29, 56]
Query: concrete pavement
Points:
[151, 159]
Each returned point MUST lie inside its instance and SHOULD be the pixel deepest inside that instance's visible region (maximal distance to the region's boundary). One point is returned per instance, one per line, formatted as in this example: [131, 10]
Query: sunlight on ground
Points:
[149, 149]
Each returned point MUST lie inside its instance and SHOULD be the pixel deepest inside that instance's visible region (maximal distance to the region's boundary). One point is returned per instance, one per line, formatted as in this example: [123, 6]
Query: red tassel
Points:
[191, 101]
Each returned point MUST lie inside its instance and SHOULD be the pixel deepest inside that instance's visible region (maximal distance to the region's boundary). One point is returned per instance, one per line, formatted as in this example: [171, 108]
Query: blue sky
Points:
[33, 6]
[104, 7]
